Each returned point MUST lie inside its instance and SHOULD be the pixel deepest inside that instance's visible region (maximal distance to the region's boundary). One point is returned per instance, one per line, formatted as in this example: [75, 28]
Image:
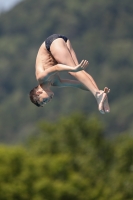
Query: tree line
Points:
[70, 159]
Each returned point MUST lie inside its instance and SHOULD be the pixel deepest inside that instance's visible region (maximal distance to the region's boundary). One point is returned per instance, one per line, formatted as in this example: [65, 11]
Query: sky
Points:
[7, 4]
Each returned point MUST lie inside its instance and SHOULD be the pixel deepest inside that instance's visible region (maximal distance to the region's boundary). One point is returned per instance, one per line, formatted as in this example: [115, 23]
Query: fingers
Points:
[84, 63]
[81, 62]
[81, 66]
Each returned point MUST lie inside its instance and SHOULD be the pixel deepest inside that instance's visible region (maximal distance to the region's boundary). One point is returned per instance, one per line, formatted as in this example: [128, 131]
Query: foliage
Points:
[67, 160]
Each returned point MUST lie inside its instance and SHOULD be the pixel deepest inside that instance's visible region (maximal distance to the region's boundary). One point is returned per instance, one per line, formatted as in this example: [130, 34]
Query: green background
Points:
[67, 150]
[100, 31]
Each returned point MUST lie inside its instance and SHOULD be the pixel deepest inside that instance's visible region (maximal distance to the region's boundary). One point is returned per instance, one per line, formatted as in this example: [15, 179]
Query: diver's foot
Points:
[102, 100]
[106, 104]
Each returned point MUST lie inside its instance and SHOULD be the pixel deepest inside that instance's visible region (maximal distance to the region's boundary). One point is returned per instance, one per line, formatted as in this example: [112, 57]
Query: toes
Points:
[106, 90]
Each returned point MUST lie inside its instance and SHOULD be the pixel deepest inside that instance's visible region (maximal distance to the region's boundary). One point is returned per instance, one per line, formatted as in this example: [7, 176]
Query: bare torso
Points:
[44, 60]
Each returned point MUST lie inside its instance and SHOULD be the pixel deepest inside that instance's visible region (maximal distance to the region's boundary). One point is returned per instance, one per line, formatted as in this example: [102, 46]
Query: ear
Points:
[39, 92]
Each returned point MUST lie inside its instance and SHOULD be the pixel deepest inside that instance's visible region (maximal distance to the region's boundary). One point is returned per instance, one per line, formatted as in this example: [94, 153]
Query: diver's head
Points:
[40, 97]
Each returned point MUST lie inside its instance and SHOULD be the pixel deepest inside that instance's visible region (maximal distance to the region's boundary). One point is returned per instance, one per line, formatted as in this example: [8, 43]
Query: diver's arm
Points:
[58, 82]
[61, 67]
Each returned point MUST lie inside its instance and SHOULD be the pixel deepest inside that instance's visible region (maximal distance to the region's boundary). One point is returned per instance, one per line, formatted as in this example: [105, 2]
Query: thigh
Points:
[73, 54]
[61, 52]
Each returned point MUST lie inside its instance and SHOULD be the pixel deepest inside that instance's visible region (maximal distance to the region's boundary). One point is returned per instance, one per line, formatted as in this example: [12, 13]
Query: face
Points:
[45, 97]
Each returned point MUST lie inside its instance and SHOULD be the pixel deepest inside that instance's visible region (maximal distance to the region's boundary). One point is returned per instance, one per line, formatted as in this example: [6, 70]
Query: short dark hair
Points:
[34, 96]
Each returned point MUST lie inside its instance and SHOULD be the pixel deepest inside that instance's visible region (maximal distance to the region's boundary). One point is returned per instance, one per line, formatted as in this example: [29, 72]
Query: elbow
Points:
[56, 68]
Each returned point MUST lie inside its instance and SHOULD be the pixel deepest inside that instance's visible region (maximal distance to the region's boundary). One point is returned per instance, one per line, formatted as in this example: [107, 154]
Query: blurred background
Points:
[67, 150]
[7, 5]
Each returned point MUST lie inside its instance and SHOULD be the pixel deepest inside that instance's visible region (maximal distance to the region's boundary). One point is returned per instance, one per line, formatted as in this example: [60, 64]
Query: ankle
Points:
[97, 93]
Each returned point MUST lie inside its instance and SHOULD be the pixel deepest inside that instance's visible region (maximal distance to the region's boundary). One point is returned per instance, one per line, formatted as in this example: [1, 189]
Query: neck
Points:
[45, 86]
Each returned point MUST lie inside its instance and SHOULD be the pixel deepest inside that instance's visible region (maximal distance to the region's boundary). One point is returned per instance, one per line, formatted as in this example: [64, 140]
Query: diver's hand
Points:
[81, 66]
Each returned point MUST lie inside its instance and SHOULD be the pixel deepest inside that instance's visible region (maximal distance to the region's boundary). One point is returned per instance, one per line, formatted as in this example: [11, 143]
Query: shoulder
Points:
[43, 76]
[40, 75]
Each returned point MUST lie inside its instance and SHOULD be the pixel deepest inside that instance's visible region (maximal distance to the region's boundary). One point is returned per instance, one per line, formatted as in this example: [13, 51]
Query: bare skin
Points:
[63, 58]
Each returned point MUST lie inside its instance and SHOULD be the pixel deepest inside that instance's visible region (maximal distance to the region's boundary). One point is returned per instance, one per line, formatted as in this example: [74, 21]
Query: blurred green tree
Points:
[67, 160]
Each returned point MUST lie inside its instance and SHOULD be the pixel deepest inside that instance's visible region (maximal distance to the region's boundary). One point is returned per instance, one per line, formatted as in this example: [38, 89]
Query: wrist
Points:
[73, 69]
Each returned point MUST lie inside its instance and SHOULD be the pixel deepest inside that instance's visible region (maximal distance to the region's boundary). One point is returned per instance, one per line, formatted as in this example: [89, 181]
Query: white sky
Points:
[7, 4]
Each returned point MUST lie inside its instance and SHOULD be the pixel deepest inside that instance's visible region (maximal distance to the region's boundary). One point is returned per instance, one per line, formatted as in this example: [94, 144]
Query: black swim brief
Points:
[53, 37]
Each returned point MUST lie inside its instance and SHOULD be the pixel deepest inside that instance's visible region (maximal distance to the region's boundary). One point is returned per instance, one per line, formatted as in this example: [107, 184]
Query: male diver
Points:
[55, 55]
